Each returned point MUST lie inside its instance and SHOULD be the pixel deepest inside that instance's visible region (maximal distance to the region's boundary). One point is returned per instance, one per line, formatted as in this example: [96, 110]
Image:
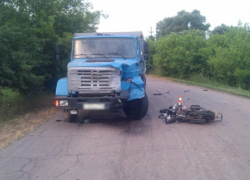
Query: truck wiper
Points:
[91, 56]
[118, 54]
[86, 55]
[104, 55]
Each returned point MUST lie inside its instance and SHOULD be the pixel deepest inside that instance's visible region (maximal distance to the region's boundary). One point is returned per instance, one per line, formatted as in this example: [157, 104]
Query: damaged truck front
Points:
[106, 71]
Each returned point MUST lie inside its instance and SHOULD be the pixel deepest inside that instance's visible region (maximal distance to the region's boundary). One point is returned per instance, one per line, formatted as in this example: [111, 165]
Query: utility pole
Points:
[151, 34]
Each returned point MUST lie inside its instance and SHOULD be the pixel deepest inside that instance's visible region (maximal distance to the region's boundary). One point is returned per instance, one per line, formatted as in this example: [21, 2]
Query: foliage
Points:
[14, 104]
[183, 21]
[29, 31]
[223, 57]
[180, 55]
[229, 61]
[220, 29]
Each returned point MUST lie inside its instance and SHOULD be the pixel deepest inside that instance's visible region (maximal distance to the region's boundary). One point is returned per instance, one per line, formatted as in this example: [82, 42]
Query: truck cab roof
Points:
[137, 34]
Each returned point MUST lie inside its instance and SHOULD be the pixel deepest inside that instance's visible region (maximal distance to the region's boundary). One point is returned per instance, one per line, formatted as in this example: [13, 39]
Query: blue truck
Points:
[106, 71]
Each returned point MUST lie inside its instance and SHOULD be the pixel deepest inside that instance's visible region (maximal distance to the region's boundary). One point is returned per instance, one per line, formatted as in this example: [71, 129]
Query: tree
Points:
[220, 29]
[180, 55]
[229, 60]
[183, 21]
[29, 31]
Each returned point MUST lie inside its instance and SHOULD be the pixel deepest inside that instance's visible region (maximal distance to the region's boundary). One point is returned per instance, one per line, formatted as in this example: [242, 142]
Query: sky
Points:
[141, 15]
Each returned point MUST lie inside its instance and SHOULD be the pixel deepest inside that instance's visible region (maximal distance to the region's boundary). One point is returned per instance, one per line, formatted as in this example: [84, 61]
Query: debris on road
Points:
[187, 91]
[194, 114]
[158, 94]
[84, 121]
[205, 90]
[169, 92]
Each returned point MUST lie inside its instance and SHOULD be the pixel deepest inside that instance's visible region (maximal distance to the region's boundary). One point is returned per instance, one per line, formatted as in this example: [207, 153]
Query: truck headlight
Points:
[62, 103]
[115, 80]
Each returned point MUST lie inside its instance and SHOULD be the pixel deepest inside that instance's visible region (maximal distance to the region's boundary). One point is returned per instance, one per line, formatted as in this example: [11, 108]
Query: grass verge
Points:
[204, 82]
[21, 114]
[15, 129]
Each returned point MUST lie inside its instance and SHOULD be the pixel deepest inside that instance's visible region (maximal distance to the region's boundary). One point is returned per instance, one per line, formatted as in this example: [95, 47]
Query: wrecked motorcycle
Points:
[194, 114]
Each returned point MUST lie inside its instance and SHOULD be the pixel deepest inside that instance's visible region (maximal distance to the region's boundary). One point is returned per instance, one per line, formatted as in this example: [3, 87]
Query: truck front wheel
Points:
[68, 116]
[136, 109]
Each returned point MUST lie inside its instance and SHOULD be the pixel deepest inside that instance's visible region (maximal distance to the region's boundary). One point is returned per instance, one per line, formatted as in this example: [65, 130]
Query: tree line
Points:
[29, 31]
[184, 47]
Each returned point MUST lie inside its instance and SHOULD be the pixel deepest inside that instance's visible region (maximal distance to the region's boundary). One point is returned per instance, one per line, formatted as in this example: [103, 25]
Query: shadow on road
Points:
[115, 119]
[104, 117]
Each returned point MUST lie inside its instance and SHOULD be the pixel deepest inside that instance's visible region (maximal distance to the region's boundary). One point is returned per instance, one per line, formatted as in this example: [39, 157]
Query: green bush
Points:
[180, 55]
[230, 60]
[29, 31]
[13, 104]
[224, 58]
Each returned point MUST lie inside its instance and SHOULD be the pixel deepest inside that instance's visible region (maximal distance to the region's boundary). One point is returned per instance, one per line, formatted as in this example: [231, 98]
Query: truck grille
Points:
[93, 80]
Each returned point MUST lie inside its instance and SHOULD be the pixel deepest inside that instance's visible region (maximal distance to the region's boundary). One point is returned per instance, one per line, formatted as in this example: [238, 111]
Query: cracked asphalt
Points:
[108, 147]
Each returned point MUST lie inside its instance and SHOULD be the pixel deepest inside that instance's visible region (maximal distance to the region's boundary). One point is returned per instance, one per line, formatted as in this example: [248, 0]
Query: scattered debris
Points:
[58, 120]
[169, 92]
[205, 90]
[188, 99]
[187, 91]
[158, 94]
[83, 121]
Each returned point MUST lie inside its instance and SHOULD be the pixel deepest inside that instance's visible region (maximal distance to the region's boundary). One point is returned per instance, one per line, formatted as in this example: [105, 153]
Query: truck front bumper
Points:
[89, 103]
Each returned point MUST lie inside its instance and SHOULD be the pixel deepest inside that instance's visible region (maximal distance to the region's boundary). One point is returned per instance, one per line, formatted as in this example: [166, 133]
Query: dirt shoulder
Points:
[15, 129]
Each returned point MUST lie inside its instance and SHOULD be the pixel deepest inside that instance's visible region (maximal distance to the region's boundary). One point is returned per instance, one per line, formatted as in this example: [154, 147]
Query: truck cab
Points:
[106, 71]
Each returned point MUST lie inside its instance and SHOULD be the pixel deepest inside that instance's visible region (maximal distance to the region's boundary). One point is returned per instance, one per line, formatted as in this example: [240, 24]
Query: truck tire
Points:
[136, 109]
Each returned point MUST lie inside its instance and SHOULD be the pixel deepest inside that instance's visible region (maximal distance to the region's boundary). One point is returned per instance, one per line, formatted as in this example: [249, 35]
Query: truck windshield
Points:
[104, 47]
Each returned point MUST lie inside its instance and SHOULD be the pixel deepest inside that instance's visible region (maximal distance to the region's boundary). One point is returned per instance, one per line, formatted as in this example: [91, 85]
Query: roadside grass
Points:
[15, 129]
[199, 80]
[22, 114]
[13, 104]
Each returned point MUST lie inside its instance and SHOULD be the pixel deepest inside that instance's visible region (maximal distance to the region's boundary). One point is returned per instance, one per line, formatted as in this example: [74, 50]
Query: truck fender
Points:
[62, 87]
[137, 90]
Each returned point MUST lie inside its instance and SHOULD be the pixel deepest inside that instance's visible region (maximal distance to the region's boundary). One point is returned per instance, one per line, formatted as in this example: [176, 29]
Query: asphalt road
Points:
[108, 147]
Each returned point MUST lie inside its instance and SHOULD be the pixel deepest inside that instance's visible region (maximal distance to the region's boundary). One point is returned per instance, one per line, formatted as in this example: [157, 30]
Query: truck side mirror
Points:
[146, 56]
[58, 49]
